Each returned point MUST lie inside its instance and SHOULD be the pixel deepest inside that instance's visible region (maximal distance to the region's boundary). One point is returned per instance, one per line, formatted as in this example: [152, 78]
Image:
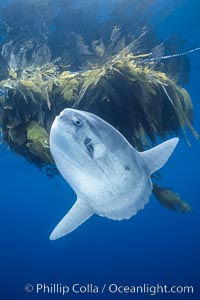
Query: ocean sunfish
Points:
[110, 178]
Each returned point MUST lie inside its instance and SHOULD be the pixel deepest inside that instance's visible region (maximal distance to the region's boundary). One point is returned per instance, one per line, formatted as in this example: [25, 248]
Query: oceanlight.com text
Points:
[111, 288]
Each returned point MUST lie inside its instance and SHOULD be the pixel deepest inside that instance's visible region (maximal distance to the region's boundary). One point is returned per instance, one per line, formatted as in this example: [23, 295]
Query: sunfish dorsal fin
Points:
[156, 157]
[77, 215]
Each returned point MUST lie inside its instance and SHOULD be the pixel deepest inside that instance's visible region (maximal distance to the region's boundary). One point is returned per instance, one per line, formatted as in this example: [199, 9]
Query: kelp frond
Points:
[38, 141]
[170, 199]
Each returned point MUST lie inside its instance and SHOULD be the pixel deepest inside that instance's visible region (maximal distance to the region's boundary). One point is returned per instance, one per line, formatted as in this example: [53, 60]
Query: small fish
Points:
[110, 178]
[4, 93]
[98, 48]
[115, 34]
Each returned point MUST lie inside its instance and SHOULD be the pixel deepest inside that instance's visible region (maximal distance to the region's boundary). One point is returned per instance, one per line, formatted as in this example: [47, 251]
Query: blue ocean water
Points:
[154, 247]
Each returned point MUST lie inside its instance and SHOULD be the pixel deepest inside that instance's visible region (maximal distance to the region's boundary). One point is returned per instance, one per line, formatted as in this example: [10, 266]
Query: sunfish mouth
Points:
[60, 117]
[62, 121]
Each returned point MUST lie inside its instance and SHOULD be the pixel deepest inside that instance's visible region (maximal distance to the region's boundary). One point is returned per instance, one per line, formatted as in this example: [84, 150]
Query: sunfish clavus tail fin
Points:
[157, 157]
[77, 215]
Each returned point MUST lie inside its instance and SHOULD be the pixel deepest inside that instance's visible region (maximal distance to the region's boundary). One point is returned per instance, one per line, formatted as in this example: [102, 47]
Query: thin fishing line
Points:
[170, 56]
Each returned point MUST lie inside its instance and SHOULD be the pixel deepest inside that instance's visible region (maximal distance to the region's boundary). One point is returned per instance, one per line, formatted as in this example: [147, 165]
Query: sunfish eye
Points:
[77, 121]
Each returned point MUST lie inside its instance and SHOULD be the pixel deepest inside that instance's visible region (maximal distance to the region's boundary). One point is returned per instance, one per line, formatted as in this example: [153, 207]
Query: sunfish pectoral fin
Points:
[156, 157]
[77, 215]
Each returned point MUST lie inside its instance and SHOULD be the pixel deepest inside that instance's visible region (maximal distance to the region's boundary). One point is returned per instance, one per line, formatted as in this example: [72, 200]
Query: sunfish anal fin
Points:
[77, 215]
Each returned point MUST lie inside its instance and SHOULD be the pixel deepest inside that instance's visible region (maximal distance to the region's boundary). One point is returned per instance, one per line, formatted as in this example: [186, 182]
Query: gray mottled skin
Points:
[109, 176]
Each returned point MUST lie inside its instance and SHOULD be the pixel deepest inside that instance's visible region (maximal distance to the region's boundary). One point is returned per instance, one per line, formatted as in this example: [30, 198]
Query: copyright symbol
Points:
[29, 288]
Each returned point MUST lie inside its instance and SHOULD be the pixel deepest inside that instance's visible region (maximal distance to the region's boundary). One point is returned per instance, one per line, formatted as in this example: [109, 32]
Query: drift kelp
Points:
[142, 103]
